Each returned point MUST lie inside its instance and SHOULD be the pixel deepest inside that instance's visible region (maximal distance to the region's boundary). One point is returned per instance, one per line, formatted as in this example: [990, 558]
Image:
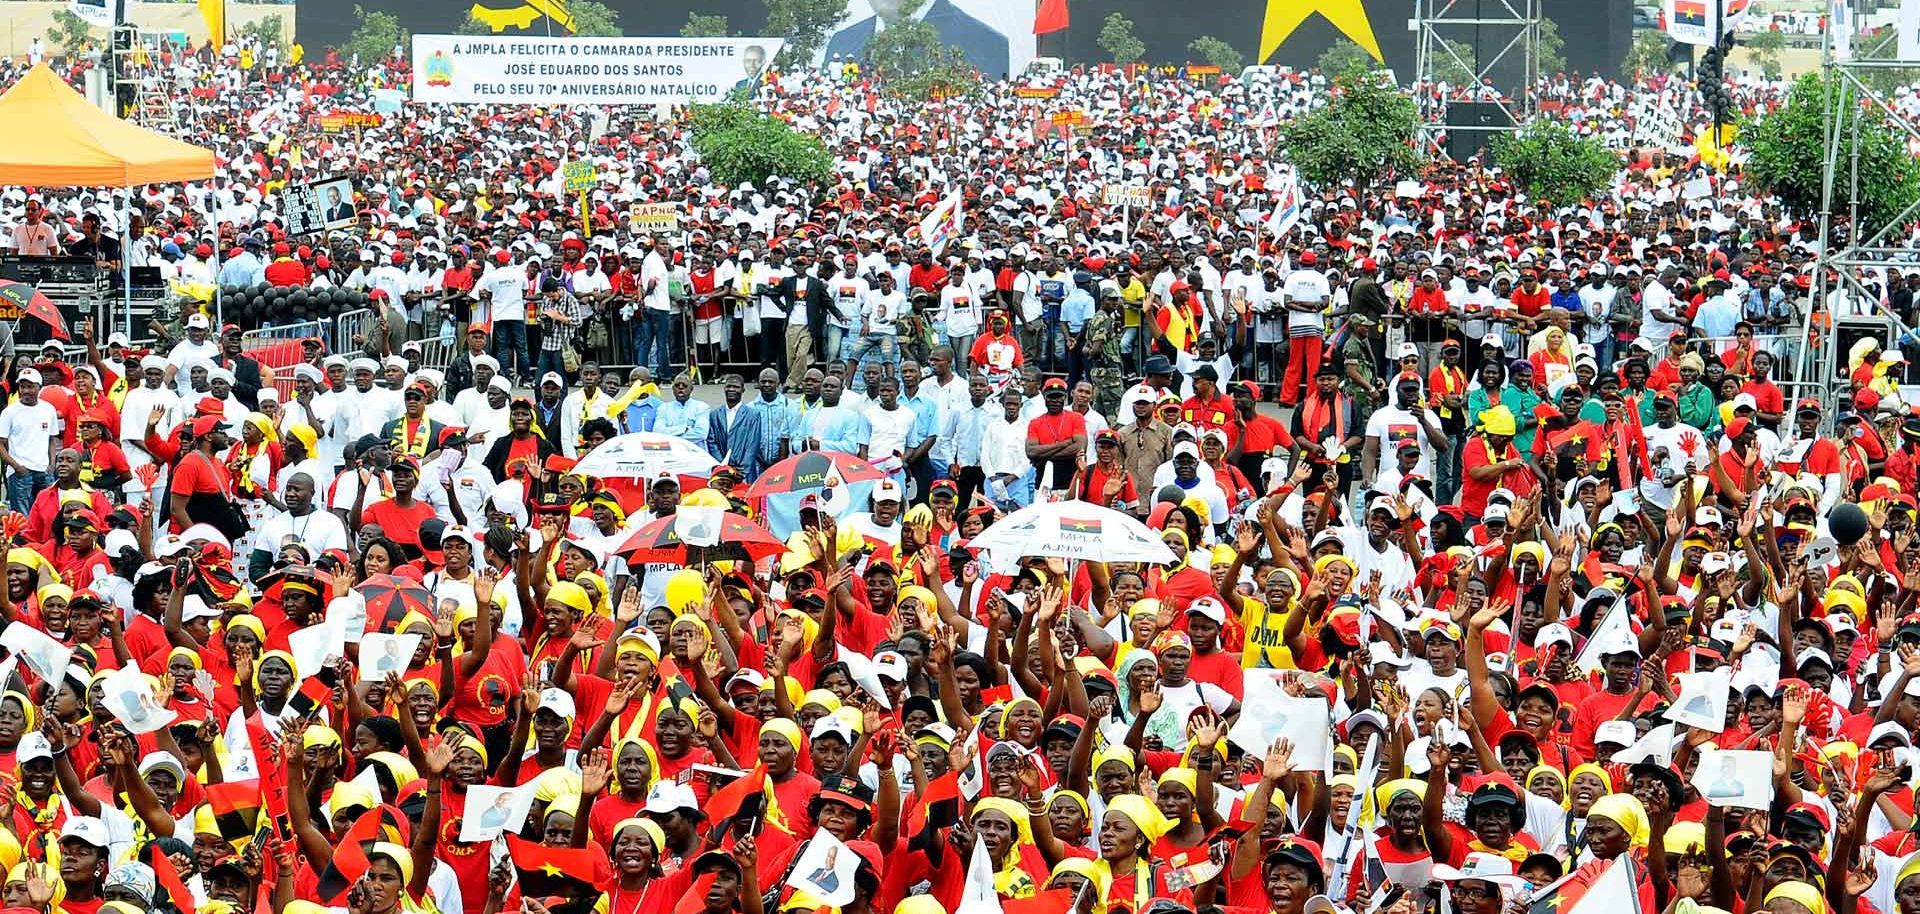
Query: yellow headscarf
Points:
[646, 749]
[1805, 895]
[1547, 771]
[1908, 869]
[1012, 880]
[282, 656]
[572, 596]
[647, 827]
[1624, 810]
[264, 424]
[785, 728]
[1088, 870]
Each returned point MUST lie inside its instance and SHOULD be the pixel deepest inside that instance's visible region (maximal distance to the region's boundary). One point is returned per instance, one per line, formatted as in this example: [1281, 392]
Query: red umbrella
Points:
[32, 302]
[812, 470]
[390, 598]
[660, 541]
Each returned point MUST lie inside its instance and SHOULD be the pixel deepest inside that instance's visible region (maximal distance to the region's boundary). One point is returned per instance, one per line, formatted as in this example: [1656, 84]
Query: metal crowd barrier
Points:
[349, 324]
[1782, 346]
[278, 348]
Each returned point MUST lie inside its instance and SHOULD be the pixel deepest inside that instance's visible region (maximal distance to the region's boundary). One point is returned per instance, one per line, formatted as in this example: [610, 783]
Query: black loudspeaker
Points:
[1471, 126]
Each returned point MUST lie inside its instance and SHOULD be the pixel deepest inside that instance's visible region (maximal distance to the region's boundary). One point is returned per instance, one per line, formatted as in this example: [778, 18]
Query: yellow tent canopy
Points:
[55, 138]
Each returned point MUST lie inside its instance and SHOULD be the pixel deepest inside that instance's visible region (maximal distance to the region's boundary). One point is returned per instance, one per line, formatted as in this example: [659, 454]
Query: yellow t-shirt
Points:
[1266, 647]
[1133, 295]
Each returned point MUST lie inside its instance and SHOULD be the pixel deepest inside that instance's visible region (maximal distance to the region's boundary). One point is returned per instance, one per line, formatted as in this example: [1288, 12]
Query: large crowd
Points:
[1437, 550]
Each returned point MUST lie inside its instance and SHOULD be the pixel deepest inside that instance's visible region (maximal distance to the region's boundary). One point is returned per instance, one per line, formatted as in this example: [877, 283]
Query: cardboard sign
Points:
[580, 176]
[1127, 195]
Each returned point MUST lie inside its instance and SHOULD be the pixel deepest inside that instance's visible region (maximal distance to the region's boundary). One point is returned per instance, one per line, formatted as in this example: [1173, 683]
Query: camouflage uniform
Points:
[1102, 341]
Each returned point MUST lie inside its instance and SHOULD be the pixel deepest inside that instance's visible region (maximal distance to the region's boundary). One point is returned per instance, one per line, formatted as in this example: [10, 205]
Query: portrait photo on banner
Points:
[997, 37]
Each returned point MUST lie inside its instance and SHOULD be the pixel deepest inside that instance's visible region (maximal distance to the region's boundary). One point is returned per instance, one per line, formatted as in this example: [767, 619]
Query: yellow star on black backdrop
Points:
[1284, 16]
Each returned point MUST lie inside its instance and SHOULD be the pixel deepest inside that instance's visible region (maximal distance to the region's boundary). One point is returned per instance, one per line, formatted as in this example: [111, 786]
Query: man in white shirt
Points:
[884, 305]
[890, 423]
[1003, 455]
[197, 348]
[961, 310]
[138, 406]
[848, 292]
[504, 288]
[303, 522]
[1657, 309]
[653, 320]
[1392, 426]
[1305, 294]
[882, 524]
[29, 433]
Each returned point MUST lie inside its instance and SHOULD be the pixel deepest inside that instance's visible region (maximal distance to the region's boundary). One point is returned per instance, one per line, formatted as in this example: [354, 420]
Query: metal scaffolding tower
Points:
[1848, 98]
[143, 89]
[1456, 35]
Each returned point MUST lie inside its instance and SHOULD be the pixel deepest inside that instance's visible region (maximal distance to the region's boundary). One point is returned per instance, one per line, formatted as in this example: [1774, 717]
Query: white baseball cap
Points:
[88, 829]
[558, 702]
[670, 796]
[1617, 732]
[198, 322]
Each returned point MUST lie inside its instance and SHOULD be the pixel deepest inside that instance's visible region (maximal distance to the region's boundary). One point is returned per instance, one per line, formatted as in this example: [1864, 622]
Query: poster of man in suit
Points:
[996, 37]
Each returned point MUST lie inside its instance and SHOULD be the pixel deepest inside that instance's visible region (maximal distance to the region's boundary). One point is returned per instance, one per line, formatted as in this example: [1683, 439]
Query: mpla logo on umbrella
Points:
[1080, 526]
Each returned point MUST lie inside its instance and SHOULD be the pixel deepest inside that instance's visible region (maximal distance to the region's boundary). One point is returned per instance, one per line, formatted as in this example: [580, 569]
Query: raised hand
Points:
[438, 758]
[596, 772]
[1793, 706]
[1279, 761]
[1150, 699]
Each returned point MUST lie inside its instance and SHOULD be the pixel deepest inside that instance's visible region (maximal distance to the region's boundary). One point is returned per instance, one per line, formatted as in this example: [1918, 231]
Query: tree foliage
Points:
[69, 32]
[1210, 50]
[1550, 55]
[1553, 164]
[1364, 134]
[1119, 41]
[1343, 56]
[1648, 54]
[805, 23]
[267, 31]
[1453, 63]
[376, 36]
[739, 144]
[1764, 49]
[593, 19]
[912, 62]
[1786, 148]
[706, 25]
[1883, 46]
[472, 26]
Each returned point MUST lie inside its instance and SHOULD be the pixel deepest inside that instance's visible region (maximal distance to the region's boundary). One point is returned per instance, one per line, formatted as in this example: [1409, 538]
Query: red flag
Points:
[166, 875]
[938, 806]
[236, 807]
[1051, 901]
[1052, 17]
[695, 900]
[559, 870]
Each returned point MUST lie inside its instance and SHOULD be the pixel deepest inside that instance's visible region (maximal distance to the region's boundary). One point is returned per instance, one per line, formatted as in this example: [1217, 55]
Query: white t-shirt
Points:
[29, 432]
[1393, 425]
[890, 429]
[849, 294]
[509, 287]
[653, 270]
[1306, 286]
[319, 530]
[883, 308]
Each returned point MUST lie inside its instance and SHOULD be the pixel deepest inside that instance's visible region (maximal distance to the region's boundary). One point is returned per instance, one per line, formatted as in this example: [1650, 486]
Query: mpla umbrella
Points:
[683, 535]
[33, 303]
[1071, 530]
[812, 470]
[643, 455]
[390, 598]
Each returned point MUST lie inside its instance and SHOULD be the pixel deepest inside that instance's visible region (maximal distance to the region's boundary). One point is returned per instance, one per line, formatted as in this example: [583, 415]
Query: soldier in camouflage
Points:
[1102, 338]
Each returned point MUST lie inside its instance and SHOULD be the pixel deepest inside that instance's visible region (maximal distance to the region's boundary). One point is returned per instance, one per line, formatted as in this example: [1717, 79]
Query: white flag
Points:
[979, 896]
[1287, 202]
[103, 13]
[944, 223]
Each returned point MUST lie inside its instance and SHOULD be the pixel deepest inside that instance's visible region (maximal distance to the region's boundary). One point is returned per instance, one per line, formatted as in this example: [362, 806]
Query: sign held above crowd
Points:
[457, 69]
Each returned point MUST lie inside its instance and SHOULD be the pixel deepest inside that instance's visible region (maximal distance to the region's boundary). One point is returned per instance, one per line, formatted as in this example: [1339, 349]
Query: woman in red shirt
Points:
[201, 487]
[399, 517]
[1107, 483]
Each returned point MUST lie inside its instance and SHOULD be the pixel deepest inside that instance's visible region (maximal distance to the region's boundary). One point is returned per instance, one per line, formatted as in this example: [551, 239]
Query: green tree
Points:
[593, 19]
[1765, 49]
[1883, 46]
[1453, 63]
[1211, 50]
[376, 36]
[739, 144]
[805, 23]
[69, 32]
[1118, 40]
[1648, 54]
[1364, 133]
[1343, 56]
[912, 62]
[1551, 53]
[1554, 165]
[704, 25]
[472, 26]
[1786, 149]
[267, 30]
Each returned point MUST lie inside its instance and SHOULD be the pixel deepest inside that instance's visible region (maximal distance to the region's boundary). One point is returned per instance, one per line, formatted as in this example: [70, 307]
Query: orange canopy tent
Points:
[56, 138]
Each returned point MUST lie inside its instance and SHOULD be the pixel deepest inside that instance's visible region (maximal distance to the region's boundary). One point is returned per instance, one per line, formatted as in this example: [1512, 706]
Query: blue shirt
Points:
[840, 428]
[640, 415]
[965, 428]
[1075, 311]
[686, 420]
[754, 443]
[245, 270]
[927, 419]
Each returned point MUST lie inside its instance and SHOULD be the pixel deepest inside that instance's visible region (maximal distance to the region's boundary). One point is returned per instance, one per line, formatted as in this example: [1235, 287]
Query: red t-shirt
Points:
[1048, 428]
[402, 525]
[199, 475]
